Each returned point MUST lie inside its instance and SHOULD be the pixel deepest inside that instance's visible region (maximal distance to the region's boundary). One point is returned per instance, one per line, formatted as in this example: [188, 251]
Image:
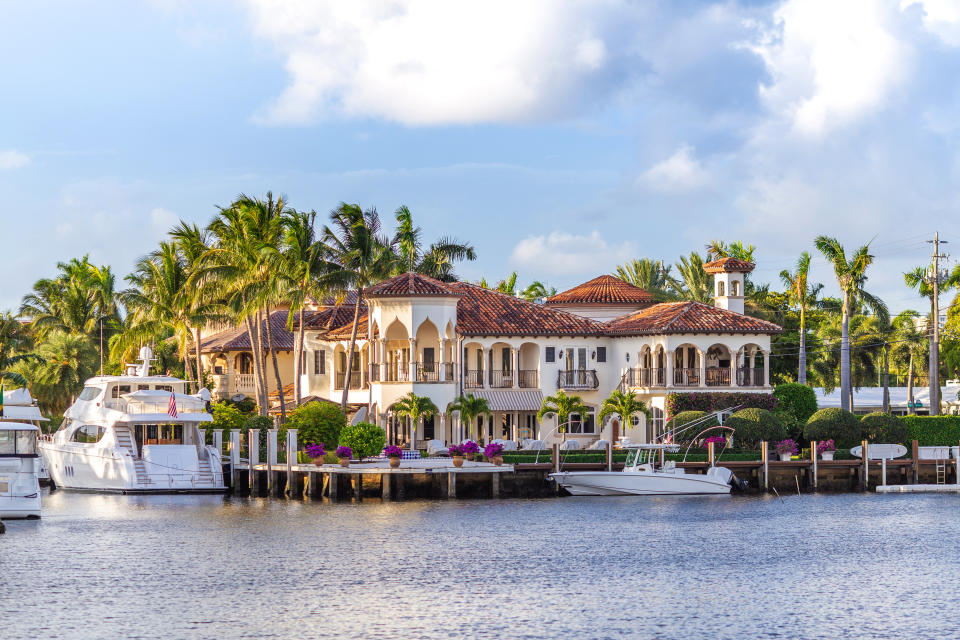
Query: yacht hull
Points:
[620, 483]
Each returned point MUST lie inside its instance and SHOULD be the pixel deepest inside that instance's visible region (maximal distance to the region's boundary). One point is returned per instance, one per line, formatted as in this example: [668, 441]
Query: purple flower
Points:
[716, 440]
[393, 451]
[787, 446]
[344, 452]
[455, 450]
[315, 450]
[826, 445]
[470, 447]
[493, 450]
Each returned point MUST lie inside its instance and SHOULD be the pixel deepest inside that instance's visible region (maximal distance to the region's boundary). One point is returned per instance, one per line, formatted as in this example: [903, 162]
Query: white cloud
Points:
[563, 253]
[941, 17]
[440, 62]
[680, 172]
[11, 159]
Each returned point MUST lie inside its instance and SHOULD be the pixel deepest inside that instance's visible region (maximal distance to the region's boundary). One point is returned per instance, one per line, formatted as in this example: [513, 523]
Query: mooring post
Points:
[291, 458]
[333, 482]
[883, 471]
[864, 465]
[766, 468]
[271, 459]
[357, 482]
[495, 484]
[916, 462]
[386, 486]
[710, 453]
[253, 459]
[452, 483]
[556, 457]
[813, 456]
[235, 457]
[218, 441]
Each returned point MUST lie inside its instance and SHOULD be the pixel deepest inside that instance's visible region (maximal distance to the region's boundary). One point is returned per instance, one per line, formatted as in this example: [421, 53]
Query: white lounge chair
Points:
[436, 447]
[534, 445]
[509, 445]
[599, 445]
[569, 445]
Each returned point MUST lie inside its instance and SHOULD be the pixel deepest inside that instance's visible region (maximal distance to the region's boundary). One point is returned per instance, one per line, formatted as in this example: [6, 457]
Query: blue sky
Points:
[560, 137]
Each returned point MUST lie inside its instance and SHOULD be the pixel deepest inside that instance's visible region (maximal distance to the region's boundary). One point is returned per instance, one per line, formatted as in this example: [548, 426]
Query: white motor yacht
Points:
[135, 433]
[20, 464]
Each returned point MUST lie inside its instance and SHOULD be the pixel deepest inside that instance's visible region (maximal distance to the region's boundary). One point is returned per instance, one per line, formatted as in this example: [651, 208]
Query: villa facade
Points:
[442, 340]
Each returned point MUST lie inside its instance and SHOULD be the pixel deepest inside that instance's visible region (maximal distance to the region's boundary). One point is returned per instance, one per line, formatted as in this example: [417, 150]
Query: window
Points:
[88, 433]
[319, 362]
[719, 288]
[89, 393]
[118, 390]
[165, 387]
[428, 361]
[479, 359]
[356, 361]
[142, 387]
[26, 443]
[505, 363]
[655, 426]
[601, 354]
[580, 424]
[635, 420]
[735, 288]
[551, 354]
[8, 444]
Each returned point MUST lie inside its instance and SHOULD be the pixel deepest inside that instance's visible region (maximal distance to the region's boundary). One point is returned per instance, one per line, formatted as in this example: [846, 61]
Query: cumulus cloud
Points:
[941, 17]
[680, 172]
[12, 159]
[563, 253]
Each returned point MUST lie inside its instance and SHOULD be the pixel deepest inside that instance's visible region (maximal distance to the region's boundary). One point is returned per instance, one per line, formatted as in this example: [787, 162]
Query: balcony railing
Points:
[718, 376]
[578, 379]
[749, 377]
[434, 372]
[686, 377]
[473, 378]
[501, 379]
[355, 381]
[646, 377]
[528, 379]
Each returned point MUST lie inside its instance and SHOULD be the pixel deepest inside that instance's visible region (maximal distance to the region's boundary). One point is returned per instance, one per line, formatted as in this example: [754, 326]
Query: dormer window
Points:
[720, 288]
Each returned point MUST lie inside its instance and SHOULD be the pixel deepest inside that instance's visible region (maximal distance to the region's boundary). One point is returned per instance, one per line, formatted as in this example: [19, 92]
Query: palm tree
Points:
[437, 261]
[414, 408]
[920, 279]
[851, 276]
[562, 406]
[696, 283]
[801, 294]
[14, 343]
[362, 257]
[66, 362]
[907, 345]
[536, 290]
[470, 408]
[651, 276]
[624, 405]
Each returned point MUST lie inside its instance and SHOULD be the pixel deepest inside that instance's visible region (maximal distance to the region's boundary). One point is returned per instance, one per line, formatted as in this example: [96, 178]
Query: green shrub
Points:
[932, 430]
[364, 438]
[753, 425]
[711, 401]
[245, 406]
[883, 427]
[798, 399]
[262, 424]
[789, 421]
[686, 417]
[226, 416]
[316, 423]
[841, 426]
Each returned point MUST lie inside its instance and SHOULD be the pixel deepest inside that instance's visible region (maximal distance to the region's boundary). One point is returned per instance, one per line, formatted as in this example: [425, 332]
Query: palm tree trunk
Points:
[196, 349]
[252, 336]
[910, 385]
[846, 390]
[187, 369]
[886, 378]
[802, 373]
[256, 346]
[276, 369]
[353, 346]
[298, 353]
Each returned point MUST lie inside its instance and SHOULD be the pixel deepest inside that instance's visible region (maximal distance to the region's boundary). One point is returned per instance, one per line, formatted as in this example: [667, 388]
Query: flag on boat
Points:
[172, 406]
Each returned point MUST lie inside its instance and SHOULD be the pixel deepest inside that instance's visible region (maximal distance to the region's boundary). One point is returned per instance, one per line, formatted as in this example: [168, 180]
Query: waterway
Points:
[820, 566]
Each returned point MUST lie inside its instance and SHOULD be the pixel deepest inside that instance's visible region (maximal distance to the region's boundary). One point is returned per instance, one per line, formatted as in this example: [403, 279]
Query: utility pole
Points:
[934, 373]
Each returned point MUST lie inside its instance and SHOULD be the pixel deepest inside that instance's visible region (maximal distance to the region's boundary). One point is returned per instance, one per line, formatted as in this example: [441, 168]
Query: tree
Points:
[624, 405]
[921, 279]
[364, 439]
[801, 295]
[317, 423]
[650, 275]
[507, 286]
[65, 362]
[906, 346]
[414, 408]
[562, 406]
[537, 290]
[851, 276]
[796, 398]
[437, 261]
[470, 408]
[750, 426]
[696, 284]
[835, 424]
[362, 257]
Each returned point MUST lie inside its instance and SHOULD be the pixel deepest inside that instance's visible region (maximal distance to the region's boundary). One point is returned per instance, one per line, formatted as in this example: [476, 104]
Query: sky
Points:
[561, 138]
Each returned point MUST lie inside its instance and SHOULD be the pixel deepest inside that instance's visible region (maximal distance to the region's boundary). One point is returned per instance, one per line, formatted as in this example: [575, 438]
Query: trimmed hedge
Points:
[798, 399]
[753, 425]
[685, 418]
[883, 427]
[932, 430]
[841, 426]
[715, 401]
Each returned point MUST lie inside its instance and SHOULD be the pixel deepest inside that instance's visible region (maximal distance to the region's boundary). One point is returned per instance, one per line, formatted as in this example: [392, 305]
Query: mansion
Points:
[442, 340]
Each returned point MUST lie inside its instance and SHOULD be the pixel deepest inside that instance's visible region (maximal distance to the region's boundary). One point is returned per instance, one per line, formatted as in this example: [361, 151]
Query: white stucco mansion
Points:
[442, 340]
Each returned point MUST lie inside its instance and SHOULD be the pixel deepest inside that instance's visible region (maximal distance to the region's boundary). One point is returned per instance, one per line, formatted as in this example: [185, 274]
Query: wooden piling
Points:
[386, 486]
[357, 486]
[452, 481]
[915, 447]
[765, 467]
[271, 460]
[556, 457]
[334, 486]
[813, 458]
[710, 457]
[495, 485]
[609, 449]
[864, 466]
[253, 458]
[291, 456]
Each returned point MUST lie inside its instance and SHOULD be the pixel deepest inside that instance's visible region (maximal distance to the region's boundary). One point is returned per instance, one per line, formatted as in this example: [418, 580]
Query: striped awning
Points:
[518, 400]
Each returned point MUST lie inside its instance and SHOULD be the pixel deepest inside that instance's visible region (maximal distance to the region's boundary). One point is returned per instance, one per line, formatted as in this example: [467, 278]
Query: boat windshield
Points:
[632, 455]
[15, 442]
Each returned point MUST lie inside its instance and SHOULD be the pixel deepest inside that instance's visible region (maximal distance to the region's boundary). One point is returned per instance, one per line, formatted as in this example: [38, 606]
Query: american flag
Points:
[172, 406]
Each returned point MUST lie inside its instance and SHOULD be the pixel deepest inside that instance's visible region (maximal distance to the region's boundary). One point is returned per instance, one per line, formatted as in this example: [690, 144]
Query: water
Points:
[827, 566]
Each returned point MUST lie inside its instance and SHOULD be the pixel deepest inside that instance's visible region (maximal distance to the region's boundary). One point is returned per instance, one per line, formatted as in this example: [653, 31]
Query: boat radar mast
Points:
[141, 370]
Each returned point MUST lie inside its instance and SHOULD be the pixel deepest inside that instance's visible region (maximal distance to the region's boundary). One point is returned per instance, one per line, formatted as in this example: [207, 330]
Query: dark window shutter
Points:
[601, 354]
[551, 354]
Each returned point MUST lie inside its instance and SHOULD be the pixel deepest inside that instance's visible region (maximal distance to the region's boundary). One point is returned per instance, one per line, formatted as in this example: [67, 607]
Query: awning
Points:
[519, 400]
[14, 412]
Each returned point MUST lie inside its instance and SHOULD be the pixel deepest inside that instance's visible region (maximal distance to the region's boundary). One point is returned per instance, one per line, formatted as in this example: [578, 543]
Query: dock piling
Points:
[915, 450]
[291, 459]
[495, 484]
[253, 458]
[609, 449]
[452, 483]
[764, 455]
[864, 465]
[813, 457]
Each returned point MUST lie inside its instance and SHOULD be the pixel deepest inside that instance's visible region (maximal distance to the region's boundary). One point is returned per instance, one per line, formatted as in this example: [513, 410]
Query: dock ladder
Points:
[941, 471]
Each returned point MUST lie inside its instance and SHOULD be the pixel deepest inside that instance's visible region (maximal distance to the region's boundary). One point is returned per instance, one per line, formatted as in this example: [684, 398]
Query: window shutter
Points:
[551, 354]
[601, 354]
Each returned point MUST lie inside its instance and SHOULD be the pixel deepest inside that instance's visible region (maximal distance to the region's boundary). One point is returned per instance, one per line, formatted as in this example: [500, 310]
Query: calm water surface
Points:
[828, 566]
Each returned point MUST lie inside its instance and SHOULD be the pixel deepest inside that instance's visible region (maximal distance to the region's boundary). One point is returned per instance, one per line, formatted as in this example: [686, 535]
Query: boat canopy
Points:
[18, 426]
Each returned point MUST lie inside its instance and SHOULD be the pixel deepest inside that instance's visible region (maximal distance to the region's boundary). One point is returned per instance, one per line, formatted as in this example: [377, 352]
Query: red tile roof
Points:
[344, 331]
[236, 339]
[408, 285]
[603, 290]
[728, 265]
[332, 317]
[688, 317]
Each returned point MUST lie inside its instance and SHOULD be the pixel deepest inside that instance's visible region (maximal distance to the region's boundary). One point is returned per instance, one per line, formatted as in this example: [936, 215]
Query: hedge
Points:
[841, 426]
[753, 425]
[715, 401]
[883, 427]
[798, 399]
[686, 417]
[932, 430]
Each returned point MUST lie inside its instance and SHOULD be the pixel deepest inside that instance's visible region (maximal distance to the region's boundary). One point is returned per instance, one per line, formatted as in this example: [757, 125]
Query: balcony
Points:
[434, 372]
[578, 379]
[355, 381]
[749, 377]
[689, 377]
[718, 376]
[501, 379]
[646, 377]
[473, 379]
[528, 379]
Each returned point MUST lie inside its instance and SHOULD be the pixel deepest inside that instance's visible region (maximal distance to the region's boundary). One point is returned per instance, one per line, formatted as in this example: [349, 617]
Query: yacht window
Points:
[88, 433]
[89, 393]
[26, 443]
[148, 434]
[165, 387]
[119, 390]
[8, 445]
[143, 387]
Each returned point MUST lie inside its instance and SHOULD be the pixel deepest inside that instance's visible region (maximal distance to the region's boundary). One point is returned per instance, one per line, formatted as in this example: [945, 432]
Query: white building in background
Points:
[870, 399]
[442, 340]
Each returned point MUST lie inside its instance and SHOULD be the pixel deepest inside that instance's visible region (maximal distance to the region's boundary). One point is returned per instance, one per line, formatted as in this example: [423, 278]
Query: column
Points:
[753, 355]
[442, 377]
[483, 366]
[669, 372]
[413, 359]
[734, 360]
[766, 368]
[515, 363]
[702, 355]
[364, 366]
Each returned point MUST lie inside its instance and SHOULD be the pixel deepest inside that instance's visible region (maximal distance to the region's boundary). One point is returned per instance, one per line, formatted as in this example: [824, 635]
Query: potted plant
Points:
[786, 449]
[826, 449]
[470, 449]
[456, 452]
[394, 453]
[343, 455]
[494, 453]
[718, 441]
[315, 452]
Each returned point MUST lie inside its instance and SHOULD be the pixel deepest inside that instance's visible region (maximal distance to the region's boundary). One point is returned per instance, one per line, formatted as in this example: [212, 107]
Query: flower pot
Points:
[785, 457]
[471, 456]
[497, 460]
[458, 461]
[826, 455]
[394, 462]
[344, 462]
[317, 461]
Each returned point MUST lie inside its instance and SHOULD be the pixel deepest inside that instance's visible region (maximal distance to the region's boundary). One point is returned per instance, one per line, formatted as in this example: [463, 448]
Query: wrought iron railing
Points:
[528, 379]
[687, 377]
[473, 378]
[718, 376]
[646, 377]
[578, 379]
[501, 379]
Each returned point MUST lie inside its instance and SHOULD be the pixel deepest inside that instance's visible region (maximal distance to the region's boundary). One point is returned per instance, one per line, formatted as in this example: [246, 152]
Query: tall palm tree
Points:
[695, 282]
[414, 407]
[537, 290]
[920, 278]
[65, 363]
[362, 257]
[907, 345]
[801, 294]
[562, 406]
[651, 276]
[15, 343]
[437, 261]
[624, 405]
[851, 275]
[470, 408]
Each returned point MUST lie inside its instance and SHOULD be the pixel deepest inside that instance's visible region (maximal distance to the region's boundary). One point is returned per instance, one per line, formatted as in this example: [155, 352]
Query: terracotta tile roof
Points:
[727, 265]
[484, 312]
[603, 290]
[344, 331]
[236, 339]
[688, 317]
[332, 317]
[408, 285]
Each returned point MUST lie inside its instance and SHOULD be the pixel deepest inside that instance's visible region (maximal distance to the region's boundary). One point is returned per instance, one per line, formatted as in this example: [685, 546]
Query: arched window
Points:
[720, 288]
[245, 363]
[735, 288]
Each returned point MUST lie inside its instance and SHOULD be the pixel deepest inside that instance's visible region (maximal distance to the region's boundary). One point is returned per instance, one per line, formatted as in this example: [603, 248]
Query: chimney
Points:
[728, 275]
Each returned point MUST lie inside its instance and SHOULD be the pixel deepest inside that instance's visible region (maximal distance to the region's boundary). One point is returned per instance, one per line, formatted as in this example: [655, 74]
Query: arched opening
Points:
[428, 352]
[244, 363]
[473, 365]
[686, 366]
[528, 366]
[735, 288]
[397, 352]
[501, 365]
[719, 360]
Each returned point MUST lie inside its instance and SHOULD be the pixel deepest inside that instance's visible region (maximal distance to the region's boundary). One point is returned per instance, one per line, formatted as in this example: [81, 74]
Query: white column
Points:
[669, 372]
[515, 363]
[483, 368]
[766, 369]
[703, 367]
[271, 448]
[443, 360]
[413, 359]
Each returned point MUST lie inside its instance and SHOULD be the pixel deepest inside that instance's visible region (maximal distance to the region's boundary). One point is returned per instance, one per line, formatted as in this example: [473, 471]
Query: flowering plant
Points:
[393, 451]
[787, 446]
[716, 440]
[470, 447]
[315, 450]
[344, 452]
[493, 450]
[826, 445]
[455, 450]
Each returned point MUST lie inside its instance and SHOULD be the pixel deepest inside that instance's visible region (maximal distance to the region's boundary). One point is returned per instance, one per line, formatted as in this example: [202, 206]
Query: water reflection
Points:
[823, 566]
